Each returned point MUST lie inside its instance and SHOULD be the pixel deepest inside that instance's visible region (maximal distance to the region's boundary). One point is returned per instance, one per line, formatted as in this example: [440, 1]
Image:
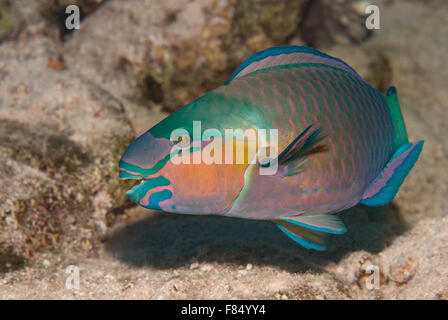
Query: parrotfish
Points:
[340, 142]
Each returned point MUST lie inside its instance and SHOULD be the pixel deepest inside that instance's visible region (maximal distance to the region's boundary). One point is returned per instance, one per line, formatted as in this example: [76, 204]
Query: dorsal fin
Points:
[277, 56]
[400, 134]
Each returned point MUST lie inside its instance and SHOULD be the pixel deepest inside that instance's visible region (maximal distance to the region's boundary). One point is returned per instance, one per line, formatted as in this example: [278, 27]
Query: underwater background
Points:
[71, 101]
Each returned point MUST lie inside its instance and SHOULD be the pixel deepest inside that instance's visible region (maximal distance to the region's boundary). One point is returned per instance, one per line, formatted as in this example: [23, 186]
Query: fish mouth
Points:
[128, 175]
[150, 191]
[141, 180]
[134, 192]
[142, 186]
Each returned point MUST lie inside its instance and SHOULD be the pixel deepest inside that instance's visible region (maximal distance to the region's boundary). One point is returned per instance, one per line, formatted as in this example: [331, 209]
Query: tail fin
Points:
[400, 134]
[383, 189]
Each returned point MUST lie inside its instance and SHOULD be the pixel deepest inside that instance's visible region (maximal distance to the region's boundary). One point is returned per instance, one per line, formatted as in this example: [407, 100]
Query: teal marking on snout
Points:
[127, 175]
[158, 197]
[142, 171]
[139, 191]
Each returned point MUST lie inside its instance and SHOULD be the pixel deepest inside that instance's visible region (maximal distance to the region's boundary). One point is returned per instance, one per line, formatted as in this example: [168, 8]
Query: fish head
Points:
[142, 161]
[171, 185]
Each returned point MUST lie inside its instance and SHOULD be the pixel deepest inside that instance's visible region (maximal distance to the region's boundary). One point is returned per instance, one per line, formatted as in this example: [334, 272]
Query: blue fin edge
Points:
[275, 51]
[315, 228]
[304, 243]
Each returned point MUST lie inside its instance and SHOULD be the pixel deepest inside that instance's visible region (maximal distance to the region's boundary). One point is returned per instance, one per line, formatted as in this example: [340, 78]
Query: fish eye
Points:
[182, 140]
[178, 140]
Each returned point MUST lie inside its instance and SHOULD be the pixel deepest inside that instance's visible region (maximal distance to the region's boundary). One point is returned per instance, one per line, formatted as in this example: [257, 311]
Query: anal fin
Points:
[329, 223]
[310, 231]
[308, 238]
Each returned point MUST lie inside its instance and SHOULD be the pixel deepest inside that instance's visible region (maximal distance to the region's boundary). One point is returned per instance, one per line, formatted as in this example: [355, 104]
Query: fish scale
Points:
[340, 108]
[308, 105]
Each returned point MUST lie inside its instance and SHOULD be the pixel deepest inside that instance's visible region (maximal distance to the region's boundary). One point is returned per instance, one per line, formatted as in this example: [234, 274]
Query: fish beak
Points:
[150, 192]
[133, 193]
[144, 157]
[125, 175]
[142, 161]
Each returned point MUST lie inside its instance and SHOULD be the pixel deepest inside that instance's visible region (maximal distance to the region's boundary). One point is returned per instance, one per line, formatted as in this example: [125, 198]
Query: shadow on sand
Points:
[166, 240]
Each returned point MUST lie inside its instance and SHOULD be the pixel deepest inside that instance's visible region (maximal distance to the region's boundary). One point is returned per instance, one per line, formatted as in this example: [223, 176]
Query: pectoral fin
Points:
[291, 160]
